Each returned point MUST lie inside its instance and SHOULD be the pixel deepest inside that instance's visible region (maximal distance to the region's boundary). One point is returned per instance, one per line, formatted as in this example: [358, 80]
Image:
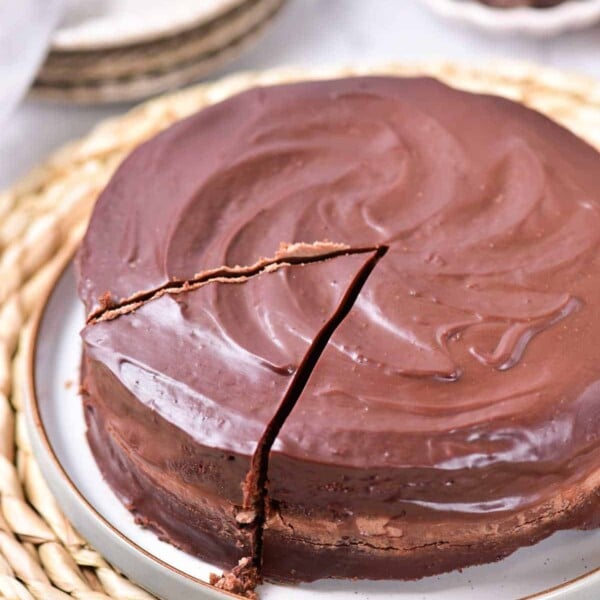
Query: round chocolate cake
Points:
[349, 328]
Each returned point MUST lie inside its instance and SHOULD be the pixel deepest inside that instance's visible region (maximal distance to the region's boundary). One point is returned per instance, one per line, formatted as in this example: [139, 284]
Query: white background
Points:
[316, 32]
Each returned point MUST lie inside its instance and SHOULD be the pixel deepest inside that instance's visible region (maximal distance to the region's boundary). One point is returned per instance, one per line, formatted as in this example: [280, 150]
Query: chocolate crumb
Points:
[241, 580]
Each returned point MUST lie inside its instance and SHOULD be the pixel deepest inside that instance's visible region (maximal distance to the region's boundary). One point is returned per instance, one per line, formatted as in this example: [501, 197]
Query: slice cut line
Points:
[288, 254]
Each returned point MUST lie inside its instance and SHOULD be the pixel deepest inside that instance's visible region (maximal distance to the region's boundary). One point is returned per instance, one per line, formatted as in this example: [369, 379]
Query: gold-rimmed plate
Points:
[563, 567]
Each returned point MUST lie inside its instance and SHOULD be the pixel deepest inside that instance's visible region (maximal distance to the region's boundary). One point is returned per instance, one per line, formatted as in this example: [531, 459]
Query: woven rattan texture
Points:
[42, 219]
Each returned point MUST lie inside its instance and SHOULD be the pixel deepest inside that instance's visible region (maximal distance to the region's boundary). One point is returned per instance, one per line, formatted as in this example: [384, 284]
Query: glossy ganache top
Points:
[475, 341]
[215, 361]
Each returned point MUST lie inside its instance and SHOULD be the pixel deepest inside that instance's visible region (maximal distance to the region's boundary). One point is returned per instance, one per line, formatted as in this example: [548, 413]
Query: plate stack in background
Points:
[123, 50]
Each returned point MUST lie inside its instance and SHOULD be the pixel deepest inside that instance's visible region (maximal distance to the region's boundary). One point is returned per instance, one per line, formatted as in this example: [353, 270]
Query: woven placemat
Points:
[42, 219]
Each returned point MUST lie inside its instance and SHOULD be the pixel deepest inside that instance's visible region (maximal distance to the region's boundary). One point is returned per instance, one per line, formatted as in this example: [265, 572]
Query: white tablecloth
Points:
[316, 32]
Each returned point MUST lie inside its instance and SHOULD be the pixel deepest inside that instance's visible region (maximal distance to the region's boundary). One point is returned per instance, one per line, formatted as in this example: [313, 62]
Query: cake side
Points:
[307, 548]
[198, 519]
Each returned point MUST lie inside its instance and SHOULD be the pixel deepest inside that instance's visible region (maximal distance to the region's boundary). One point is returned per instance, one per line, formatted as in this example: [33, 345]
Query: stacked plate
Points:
[120, 50]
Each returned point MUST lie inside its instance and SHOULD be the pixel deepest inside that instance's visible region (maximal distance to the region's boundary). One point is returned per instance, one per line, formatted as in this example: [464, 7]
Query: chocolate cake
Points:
[349, 329]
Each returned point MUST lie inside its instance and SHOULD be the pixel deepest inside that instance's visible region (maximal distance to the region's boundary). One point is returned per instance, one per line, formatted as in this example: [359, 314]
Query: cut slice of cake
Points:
[179, 391]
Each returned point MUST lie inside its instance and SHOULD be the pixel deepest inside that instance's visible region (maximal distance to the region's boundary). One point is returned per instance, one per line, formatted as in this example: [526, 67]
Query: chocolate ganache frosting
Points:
[409, 385]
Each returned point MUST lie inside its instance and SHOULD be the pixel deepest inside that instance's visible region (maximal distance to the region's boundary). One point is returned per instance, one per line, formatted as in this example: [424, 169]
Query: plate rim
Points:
[37, 431]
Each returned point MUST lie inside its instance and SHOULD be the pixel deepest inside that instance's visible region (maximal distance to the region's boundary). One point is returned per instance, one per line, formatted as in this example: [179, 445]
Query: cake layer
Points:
[408, 541]
[306, 548]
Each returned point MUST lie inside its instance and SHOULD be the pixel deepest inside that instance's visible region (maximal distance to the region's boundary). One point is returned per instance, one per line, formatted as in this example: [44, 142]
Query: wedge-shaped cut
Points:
[179, 392]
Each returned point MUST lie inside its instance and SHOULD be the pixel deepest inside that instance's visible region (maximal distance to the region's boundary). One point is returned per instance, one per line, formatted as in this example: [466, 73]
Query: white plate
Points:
[574, 14]
[563, 567]
[96, 24]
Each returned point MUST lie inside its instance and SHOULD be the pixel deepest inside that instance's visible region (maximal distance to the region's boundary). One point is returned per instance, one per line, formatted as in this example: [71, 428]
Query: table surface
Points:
[315, 32]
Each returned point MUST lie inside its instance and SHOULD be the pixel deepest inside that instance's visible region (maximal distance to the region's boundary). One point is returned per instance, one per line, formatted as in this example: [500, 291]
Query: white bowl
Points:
[565, 566]
[573, 14]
